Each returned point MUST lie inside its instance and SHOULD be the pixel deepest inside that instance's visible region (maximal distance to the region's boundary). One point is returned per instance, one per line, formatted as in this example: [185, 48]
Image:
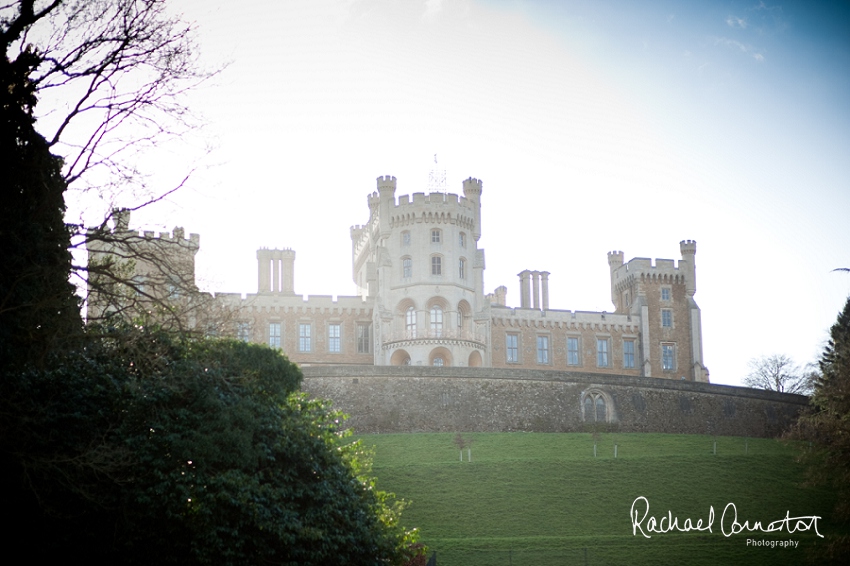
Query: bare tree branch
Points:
[778, 373]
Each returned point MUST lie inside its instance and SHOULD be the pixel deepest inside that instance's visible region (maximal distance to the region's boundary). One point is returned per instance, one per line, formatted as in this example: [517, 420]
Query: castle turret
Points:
[472, 191]
[615, 261]
[689, 250]
[386, 193]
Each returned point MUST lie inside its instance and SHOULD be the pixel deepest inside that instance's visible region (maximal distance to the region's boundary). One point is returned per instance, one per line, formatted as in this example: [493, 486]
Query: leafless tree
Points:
[778, 373]
[110, 79]
[114, 72]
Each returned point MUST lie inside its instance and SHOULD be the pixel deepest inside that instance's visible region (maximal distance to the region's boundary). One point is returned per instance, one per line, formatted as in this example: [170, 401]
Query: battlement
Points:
[688, 247]
[122, 235]
[647, 265]
[472, 188]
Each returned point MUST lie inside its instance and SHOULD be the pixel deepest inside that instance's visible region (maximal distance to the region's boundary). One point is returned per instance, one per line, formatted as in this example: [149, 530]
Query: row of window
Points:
[305, 336]
[436, 320]
[436, 237]
[436, 267]
[603, 351]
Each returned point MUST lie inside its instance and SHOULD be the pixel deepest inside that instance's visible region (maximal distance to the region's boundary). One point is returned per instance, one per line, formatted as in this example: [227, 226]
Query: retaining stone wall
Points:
[383, 399]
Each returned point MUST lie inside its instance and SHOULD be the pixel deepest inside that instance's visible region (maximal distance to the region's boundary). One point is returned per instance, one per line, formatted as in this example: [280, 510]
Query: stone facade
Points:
[420, 301]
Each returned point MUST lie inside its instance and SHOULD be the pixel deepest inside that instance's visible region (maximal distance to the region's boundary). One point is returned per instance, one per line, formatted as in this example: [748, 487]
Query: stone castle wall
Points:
[427, 399]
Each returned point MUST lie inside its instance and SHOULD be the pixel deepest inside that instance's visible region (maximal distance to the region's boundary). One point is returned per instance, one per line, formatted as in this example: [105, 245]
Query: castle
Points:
[420, 300]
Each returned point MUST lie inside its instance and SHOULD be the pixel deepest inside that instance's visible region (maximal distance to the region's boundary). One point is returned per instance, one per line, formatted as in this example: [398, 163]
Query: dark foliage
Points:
[140, 449]
[38, 308]
[825, 430]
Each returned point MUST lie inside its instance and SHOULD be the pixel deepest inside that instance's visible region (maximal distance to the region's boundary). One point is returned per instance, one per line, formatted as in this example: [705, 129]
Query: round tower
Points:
[428, 274]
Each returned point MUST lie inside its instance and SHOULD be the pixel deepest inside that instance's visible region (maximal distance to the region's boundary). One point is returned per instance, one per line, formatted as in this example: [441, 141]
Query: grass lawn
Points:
[539, 499]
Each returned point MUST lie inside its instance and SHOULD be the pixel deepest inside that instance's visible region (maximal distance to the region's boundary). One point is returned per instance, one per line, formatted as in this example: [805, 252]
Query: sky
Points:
[594, 126]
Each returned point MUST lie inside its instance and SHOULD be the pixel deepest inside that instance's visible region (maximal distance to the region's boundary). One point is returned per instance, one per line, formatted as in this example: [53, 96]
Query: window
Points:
[668, 357]
[462, 239]
[439, 361]
[364, 331]
[405, 238]
[461, 268]
[436, 236]
[436, 321]
[542, 349]
[512, 347]
[665, 293]
[410, 322]
[304, 337]
[407, 268]
[601, 413]
[274, 335]
[572, 351]
[602, 352]
[436, 265]
[243, 331]
[628, 353]
[334, 344]
[595, 407]
[666, 318]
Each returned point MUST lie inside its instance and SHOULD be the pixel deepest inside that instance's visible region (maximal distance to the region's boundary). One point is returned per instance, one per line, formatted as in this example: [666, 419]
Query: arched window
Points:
[462, 240]
[436, 321]
[410, 322]
[597, 407]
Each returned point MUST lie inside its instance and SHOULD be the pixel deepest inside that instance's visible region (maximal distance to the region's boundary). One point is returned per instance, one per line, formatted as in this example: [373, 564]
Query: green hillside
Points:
[541, 499]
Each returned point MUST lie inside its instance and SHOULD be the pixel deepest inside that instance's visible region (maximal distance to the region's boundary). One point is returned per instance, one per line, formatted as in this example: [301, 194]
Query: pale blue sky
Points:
[593, 125]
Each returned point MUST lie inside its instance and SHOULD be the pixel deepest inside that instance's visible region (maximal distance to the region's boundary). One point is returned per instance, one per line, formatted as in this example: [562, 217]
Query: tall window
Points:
[572, 351]
[601, 413]
[668, 357]
[436, 237]
[405, 238]
[436, 265]
[243, 331]
[542, 349]
[334, 343]
[665, 293]
[274, 334]
[364, 331]
[436, 321]
[461, 269]
[602, 352]
[462, 239]
[304, 343]
[407, 268]
[410, 322]
[512, 347]
[666, 318]
[628, 353]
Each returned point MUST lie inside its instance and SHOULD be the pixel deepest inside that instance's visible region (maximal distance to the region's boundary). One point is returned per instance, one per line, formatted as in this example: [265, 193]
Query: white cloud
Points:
[735, 21]
[758, 57]
[731, 43]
